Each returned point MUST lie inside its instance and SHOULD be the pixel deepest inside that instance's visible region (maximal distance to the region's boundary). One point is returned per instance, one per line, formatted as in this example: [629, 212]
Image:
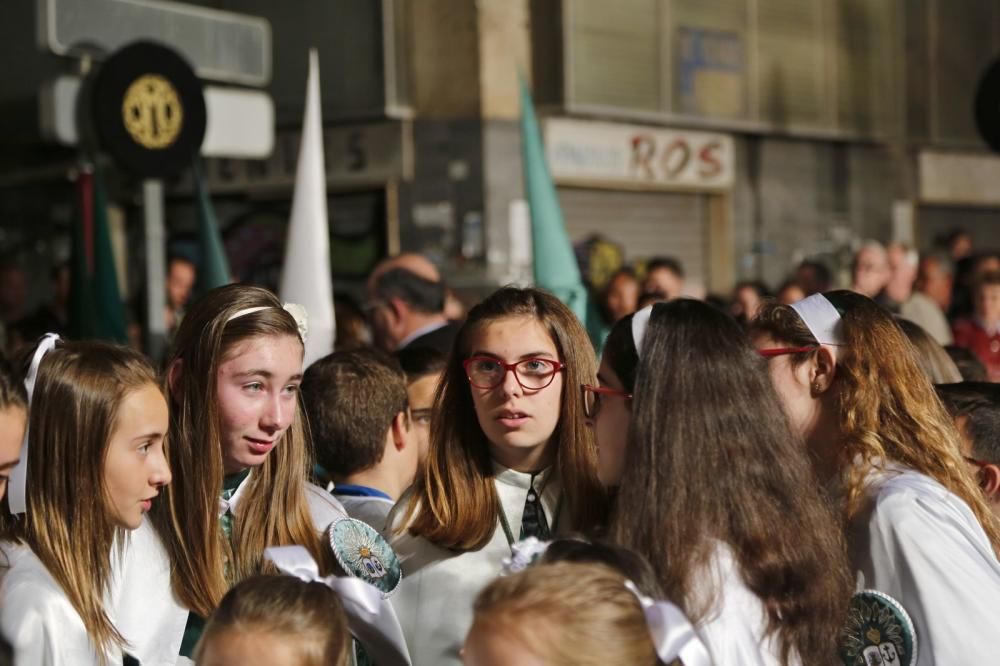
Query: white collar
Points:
[231, 504]
[423, 330]
[522, 480]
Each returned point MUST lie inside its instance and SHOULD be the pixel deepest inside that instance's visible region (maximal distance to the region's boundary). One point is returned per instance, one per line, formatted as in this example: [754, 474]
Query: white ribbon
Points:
[821, 318]
[297, 311]
[17, 495]
[640, 322]
[673, 635]
[522, 555]
[370, 617]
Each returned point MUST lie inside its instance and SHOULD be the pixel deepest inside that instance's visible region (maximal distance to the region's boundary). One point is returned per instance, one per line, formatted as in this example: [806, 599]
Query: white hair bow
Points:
[673, 635]
[370, 617]
[17, 498]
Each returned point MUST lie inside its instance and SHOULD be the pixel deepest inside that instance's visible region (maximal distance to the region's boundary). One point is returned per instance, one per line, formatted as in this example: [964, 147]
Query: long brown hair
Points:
[711, 459]
[306, 615]
[454, 503]
[274, 510]
[568, 614]
[67, 524]
[887, 408]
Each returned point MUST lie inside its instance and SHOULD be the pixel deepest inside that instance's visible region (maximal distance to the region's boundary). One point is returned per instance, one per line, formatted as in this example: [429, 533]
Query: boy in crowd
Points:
[975, 406]
[358, 412]
[423, 367]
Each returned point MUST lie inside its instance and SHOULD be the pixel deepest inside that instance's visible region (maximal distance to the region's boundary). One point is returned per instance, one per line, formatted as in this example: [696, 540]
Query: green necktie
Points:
[533, 522]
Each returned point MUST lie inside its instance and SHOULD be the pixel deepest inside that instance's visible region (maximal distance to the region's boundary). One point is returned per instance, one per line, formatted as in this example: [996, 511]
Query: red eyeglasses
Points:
[532, 374]
[592, 398]
[781, 351]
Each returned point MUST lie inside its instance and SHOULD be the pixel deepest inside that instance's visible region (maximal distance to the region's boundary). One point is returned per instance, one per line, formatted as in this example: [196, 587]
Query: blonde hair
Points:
[306, 615]
[78, 390]
[454, 503]
[568, 614]
[930, 356]
[274, 511]
[888, 409]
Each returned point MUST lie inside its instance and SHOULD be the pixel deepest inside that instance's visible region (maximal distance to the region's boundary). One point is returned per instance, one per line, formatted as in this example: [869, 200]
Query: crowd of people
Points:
[804, 479]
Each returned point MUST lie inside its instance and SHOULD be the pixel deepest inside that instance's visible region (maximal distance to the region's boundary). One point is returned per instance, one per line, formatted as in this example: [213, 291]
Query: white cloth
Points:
[434, 599]
[734, 628]
[148, 614]
[372, 510]
[926, 314]
[920, 544]
[323, 507]
[37, 617]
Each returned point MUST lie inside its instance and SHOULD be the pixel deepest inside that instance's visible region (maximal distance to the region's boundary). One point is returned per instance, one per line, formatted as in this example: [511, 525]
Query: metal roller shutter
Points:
[645, 224]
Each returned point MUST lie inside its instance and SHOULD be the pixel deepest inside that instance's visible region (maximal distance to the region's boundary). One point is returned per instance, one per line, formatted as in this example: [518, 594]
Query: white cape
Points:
[919, 543]
[37, 617]
[434, 599]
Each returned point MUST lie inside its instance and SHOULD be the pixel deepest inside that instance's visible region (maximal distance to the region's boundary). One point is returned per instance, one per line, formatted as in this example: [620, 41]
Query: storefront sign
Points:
[602, 154]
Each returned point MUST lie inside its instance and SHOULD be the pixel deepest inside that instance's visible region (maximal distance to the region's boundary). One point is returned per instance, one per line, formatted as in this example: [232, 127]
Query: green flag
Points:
[555, 266]
[214, 269]
[107, 298]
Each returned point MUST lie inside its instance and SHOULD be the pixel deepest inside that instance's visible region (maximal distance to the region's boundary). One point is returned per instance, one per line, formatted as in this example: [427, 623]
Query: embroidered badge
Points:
[363, 553]
[879, 632]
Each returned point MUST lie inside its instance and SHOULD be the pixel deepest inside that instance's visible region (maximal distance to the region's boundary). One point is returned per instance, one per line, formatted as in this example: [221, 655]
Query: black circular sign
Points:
[149, 110]
[987, 106]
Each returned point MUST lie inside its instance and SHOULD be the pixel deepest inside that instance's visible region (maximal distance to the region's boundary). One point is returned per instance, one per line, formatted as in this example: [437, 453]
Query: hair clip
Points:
[522, 555]
[370, 617]
[297, 311]
[673, 634]
[17, 496]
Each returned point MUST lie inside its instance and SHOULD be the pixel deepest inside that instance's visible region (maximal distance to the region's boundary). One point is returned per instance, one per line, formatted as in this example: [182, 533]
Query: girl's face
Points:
[792, 384]
[12, 423]
[611, 424]
[135, 468]
[518, 422]
[484, 646]
[257, 388]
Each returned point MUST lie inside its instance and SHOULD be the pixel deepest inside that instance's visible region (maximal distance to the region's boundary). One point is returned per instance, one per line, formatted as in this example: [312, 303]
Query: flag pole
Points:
[156, 300]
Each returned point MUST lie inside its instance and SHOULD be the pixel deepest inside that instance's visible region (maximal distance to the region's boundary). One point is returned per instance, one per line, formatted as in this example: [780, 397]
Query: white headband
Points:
[640, 322]
[370, 616]
[821, 318]
[297, 311]
[17, 496]
[673, 635]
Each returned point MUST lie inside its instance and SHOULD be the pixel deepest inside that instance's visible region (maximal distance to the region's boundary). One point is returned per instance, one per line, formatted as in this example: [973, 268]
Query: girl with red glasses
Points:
[918, 529]
[510, 457]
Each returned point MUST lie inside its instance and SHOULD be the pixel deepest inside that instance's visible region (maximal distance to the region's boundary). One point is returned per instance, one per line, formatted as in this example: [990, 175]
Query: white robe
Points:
[372, 510]
[920, 544]
[39, 620]
[434, 600]
[323, 507]
[733, 631]
[147, 613]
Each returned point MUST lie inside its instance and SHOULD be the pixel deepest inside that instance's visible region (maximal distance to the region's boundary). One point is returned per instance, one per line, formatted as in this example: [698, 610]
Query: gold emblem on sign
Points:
[152, 112]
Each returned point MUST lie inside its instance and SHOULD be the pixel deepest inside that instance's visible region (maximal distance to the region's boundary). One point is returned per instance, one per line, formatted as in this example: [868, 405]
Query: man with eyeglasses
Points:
[975, 407]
